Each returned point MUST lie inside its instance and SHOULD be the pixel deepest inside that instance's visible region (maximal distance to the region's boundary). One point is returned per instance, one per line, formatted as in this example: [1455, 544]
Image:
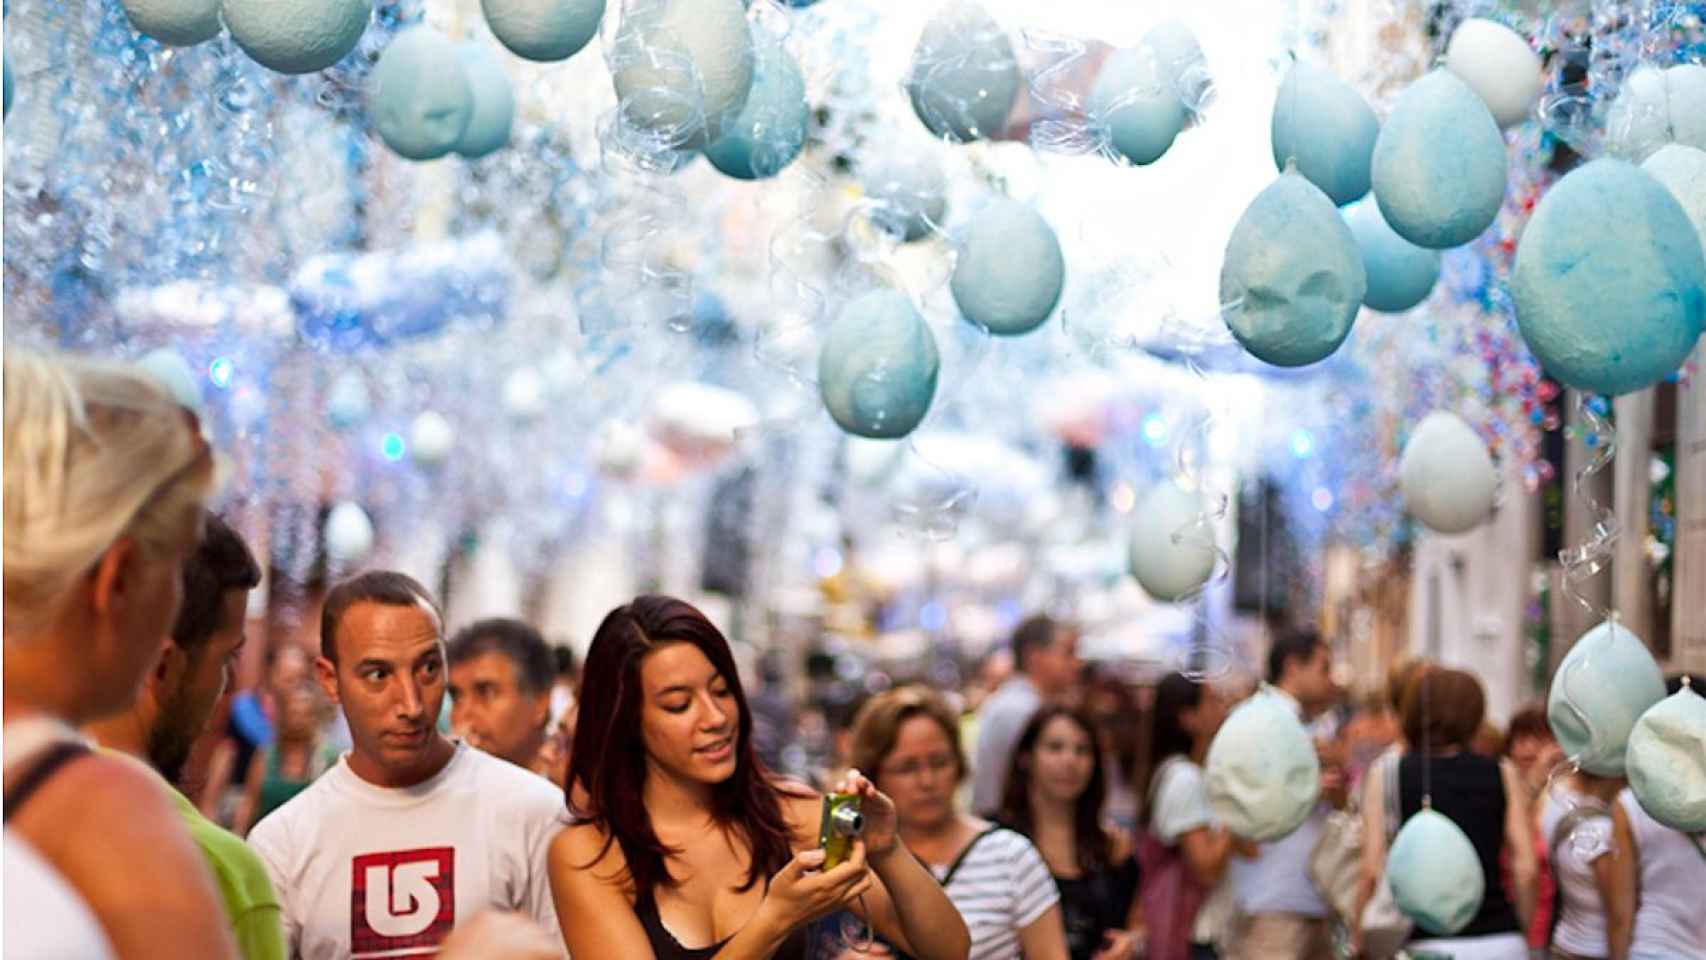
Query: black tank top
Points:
[1092, 904]
[1468, 790]
[666, 947]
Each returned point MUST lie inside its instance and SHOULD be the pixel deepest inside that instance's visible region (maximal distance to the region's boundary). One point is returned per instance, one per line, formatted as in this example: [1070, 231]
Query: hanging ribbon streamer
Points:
[1581, 563]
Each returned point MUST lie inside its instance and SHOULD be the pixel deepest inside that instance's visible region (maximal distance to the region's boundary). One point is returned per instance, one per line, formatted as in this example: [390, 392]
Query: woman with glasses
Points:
[909, 739]
[106, 482]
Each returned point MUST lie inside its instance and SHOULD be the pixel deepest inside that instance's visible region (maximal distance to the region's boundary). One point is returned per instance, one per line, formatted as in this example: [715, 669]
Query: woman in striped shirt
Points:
[995, 877]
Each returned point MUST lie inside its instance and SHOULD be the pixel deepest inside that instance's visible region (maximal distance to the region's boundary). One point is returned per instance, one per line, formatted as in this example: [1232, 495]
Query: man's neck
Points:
[1303, 708]
[433, 762]
[125, 732]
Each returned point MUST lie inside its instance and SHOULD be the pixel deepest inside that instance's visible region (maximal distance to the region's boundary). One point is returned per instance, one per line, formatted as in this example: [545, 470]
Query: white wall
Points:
[1468, 595]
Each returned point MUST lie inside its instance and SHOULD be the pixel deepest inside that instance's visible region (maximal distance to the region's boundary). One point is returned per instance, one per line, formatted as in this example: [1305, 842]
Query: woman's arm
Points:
[906, 906]
[595, 910]
[219, 768]
[1373, 844]
[1519, 838]
[244, 816]
[1207, 851]
[100, 815]
[1614, 875]
[1045, 937]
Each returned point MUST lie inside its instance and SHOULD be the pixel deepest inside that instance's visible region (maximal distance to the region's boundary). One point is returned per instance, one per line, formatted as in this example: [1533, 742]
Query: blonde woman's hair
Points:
[877, 726]
[95, 452]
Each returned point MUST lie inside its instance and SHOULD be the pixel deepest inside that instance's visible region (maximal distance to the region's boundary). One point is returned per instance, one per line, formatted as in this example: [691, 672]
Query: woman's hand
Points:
[881, 824]
[798, 894]
[1118, 945]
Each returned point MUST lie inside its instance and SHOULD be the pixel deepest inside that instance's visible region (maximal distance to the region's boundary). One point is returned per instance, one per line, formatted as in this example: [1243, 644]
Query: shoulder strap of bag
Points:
[954, 867]
[51, 759]
[1390, 795]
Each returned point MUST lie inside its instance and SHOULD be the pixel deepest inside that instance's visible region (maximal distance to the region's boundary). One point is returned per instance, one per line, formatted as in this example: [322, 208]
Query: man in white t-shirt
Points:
[1045, 658]
[411, 833]
[1281, 914]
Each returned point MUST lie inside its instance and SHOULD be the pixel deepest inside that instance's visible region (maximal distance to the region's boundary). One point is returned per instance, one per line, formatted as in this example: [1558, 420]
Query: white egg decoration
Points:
[964, 75]
[909, 190]
[1602, 686]
[524, 394]
[431, 438]
[1610, 280]
[877, 367]
[1666, 760]
[1293, 278]
[349, 534]
[1323, 125]
[347, 402]
[1009, 276]
[1435, 873]
[493, 112]
[1135, 101]
[1439, 164]
[175, 23]
[1172, 551]
[683, 68]
[297, 36]
[1447, 475]
[771, 128]
[544, 30]
[1682, 171]
[1262, 774]
[1499, 65]
[170, 370]
[1400, 274]
[1657, 106]
[419, 95]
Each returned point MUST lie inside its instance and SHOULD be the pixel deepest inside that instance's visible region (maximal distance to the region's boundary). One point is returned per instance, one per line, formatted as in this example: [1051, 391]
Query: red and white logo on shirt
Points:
[402, 904]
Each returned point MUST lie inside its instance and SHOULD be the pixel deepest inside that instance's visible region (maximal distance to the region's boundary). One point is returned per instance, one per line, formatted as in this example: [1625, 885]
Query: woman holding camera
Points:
[685, 845]
[910, 740]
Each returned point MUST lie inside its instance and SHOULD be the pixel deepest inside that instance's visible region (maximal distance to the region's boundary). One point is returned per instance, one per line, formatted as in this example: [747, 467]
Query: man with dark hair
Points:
[501, 673]
[1282, 915]
[177, 700]
[1046, 669]
[410, 834]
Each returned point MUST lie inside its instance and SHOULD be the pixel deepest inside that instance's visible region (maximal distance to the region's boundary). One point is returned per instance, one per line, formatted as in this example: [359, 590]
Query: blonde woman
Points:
[106, 479]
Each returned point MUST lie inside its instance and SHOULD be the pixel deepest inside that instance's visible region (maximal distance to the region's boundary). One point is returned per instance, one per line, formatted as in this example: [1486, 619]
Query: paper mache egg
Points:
[419, 95]
[683, 68]
[297, 36]
[1435, 874]
[1610, 280]
[544, 30]
[964, 75]
[1447, 475]
[877, 367]
[1262, 774]
[1666, 760]
[349, 533]
[175, 23]
[1323, 125]
[1009, 276]
[1293, 277]
[1165, 569]
[1499, 65]
[1400, 274]
[1439, 165]
[170, 370]
[1602, 686]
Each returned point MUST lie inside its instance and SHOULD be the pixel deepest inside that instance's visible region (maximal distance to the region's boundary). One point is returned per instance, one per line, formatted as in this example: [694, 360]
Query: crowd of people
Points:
[401, 790]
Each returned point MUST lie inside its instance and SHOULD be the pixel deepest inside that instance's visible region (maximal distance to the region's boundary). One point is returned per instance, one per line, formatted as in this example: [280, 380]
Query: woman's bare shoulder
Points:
[586, 851]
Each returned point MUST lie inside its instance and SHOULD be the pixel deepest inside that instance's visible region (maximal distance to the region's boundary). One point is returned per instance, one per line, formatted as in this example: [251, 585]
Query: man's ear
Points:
[170, 669]
[542, 710]
[326, 672]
